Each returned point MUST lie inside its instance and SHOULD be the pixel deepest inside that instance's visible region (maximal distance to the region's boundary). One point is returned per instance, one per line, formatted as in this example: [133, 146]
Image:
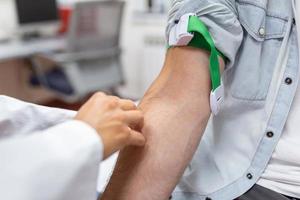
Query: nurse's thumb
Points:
[136, 139]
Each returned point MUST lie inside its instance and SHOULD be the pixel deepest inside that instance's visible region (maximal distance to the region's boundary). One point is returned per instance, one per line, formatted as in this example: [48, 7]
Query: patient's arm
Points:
[176, 111]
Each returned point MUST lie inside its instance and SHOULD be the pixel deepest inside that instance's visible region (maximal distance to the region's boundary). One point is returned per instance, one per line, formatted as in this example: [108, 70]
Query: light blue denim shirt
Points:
[259, 90]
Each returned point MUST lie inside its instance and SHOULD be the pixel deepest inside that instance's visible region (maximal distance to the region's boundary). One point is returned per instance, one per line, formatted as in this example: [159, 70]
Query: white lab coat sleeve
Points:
[59, 163]
[19, 118]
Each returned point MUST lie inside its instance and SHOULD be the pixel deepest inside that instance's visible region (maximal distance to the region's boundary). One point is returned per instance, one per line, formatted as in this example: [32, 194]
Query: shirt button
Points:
[262, 32]
[294, 21]
[249, 176]
[288, 81]
[270, 134]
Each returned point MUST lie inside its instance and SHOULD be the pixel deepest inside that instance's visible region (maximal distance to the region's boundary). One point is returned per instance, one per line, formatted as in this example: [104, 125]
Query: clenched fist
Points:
[113, 118]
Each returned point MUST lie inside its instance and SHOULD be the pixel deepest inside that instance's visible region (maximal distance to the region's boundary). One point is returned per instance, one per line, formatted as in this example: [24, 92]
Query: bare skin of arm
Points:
[176, 111]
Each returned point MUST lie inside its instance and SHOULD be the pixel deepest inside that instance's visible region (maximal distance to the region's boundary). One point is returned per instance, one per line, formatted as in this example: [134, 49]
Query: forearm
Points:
[176, 111]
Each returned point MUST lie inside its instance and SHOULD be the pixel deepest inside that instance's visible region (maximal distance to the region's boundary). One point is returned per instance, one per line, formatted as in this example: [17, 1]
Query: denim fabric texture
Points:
[239, 141]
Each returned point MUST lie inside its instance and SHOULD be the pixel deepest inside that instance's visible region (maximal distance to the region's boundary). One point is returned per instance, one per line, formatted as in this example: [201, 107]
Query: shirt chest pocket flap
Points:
[256, 60]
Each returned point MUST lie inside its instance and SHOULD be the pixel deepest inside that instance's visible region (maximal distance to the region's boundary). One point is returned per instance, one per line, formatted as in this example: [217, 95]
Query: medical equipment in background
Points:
[37, 18]
[91, 61]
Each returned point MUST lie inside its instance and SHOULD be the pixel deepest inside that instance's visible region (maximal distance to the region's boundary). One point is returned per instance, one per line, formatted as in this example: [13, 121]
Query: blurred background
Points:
[58, 52]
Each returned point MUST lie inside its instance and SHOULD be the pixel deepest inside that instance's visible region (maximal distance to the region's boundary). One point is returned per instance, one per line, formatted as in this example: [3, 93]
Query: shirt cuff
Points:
[221, 20]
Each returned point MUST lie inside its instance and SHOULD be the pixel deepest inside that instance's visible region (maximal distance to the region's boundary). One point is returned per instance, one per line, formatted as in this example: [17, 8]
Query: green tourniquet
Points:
[199, 42]
[203, 39]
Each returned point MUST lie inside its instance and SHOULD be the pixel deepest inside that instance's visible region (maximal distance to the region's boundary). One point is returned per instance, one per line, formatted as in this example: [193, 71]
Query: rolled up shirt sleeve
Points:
[221, 19]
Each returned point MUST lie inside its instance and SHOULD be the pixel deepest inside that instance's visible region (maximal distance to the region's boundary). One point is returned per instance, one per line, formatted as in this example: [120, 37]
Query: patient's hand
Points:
[113, 119]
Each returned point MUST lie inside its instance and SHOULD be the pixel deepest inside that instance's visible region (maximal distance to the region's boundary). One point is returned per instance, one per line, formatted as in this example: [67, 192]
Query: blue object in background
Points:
[56, 80]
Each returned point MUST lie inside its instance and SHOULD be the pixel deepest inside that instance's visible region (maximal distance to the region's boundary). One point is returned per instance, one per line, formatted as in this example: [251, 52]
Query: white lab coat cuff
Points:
[81, 134]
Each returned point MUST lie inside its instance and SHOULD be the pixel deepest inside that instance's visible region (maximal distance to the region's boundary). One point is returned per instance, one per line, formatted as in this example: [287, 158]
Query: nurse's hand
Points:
[113, 118]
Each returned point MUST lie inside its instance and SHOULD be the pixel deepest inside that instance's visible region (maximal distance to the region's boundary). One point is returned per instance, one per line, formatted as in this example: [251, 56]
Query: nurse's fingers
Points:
[134, 118]
[136, 139]
[127, 105]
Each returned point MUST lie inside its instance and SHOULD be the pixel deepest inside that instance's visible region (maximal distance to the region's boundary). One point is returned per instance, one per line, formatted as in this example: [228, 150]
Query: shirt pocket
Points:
[255, 62]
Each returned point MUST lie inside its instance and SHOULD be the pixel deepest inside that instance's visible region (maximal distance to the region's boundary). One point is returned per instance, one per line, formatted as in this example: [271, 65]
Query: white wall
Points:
[8, 19]
[142, 59]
